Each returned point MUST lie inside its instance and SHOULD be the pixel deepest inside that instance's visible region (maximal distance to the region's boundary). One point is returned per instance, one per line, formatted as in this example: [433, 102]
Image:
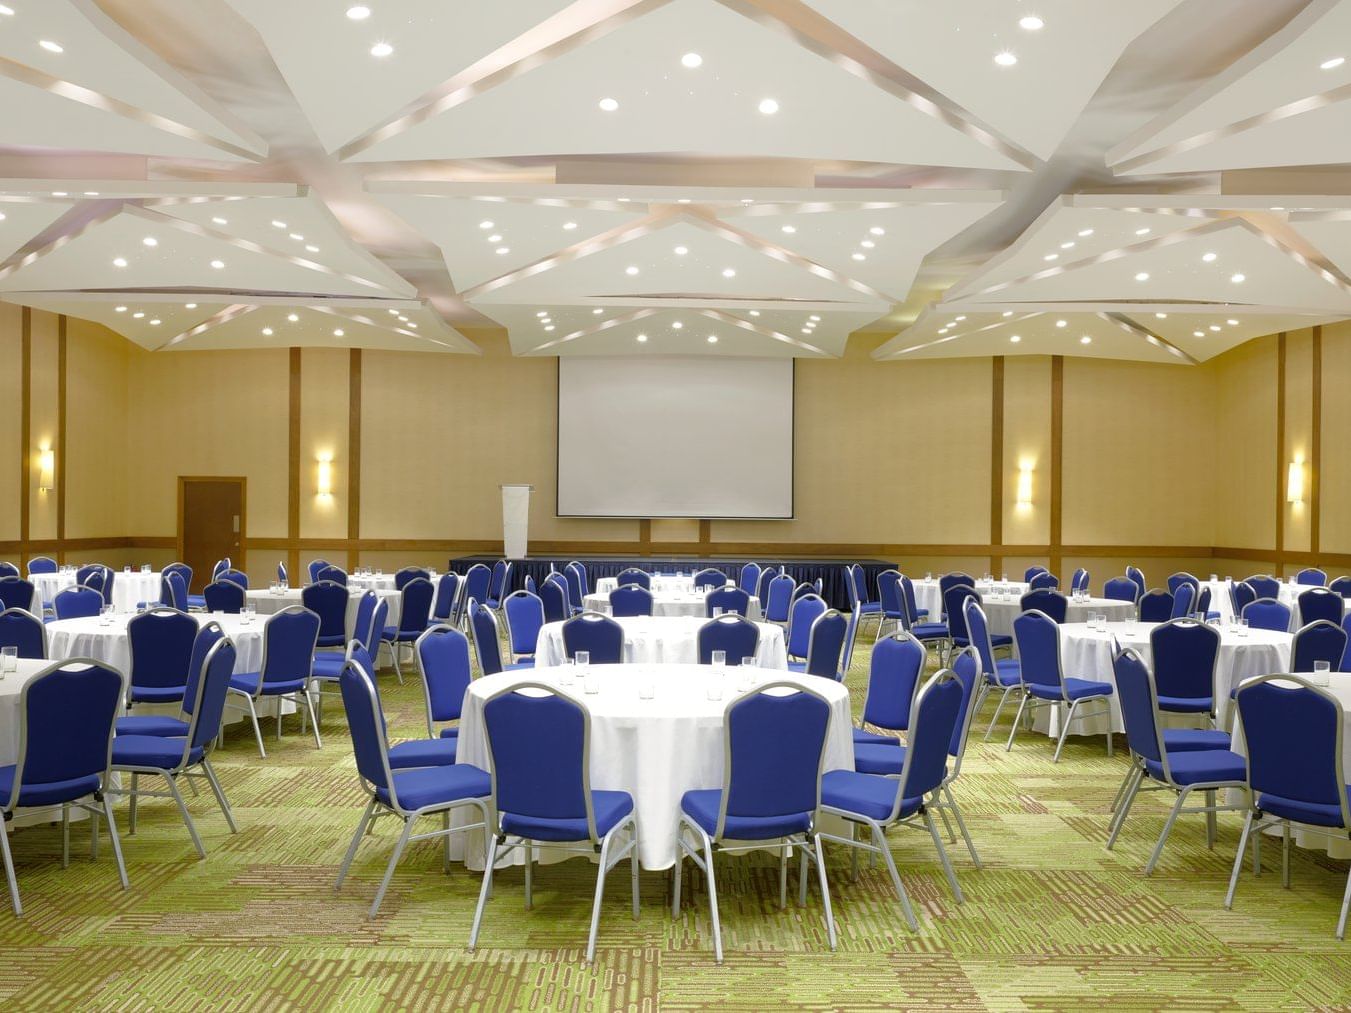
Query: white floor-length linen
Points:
[662, 640]
[268, 602]
[669, 603]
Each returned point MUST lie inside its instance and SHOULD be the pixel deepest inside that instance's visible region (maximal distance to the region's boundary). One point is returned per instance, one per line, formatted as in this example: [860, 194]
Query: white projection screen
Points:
[672, 436]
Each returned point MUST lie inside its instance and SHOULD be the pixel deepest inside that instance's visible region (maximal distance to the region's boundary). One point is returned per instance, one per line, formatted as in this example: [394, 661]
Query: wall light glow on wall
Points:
[324, 477]
[1294, 482]
[46, 469]
[1024, 498]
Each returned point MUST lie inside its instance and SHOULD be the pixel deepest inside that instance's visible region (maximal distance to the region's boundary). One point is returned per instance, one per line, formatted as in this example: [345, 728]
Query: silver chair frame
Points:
[506, 615]
[42, 627]
[294, 696]
[439, 630]
[394, 645]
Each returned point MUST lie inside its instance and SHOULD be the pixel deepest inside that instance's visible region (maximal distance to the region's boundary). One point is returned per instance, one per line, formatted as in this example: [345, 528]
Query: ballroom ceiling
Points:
[1137, 180]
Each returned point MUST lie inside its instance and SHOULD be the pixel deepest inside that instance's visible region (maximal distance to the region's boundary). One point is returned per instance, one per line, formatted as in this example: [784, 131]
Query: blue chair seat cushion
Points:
[868, 795]
[1191, 740]
[702, 807]
[1187, 704]
[873, 758]
[1201, 766]
[870, 608]
[450, 733]
[153, 751]
[609, 807]
[332, 640]
[1001, 640]
[929, 631]
[861, 737]
[248, 683]
[429, 786]
[516, 666]
[196, 601]
[157, 694]
[49, 793]
[1075, 689]
[151, 724]
[422, 753]
[394, 635]
[921, 613]
[328, 666]
[1007, 672]
[1314, 813]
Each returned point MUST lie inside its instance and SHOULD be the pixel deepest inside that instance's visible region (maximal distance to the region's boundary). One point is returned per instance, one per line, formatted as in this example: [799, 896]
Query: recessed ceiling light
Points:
[502, 250]
[549, 328]
[6, 11]
[788, 230]
[1051, 256]
[394, 313]
[1007, 313]
[691, 60]
[1031, 23]
[120, 262]
[1005, 59]
[1232, 323]
[51, 47]
[542, 313]
[1062, 323]
[137, 316]
[496, 237]
[309, 248]
[1335, 62]
[91, 193]
[220, 221]
[2, 216]
[806, 330]
[1068, 245]
[119, 309]
[1015, 338]
[958, 320]
[297, 237]
[569, 226]
[381, 49]
[860, 256]
[867, 244]
[608, 105]
[814, 318]
[642, 337]
[60, 193]
[190, 306]
[1237, 279]
[1214, 327]
[712, 339]
[1085, 340]
[683, 200]
[154, 323]
[150, 241]
[1161, 316]
[293, 317]
[1142, 232]
[1142, 276]
[625, 200]
[359, 13]
[680, 251]
[1209, 257]
[877, 230]
[1085, 232]
[1198, 334]
[755, 313]
[218, 264]
[768, 106]
[278, 224]
[727, 272]
[485, 225]
[630, 270]
[676, 325]
[267, 332]
[338, 332]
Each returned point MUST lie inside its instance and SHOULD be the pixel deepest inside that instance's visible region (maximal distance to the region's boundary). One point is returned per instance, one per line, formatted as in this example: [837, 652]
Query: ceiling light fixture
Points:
[1232, 323]
[1161, 316]
[1005, 59]
[727, 272]
[1209, 257]
[676, 325]
[877, 230]
[542, 313]
[860, 256]
[1085, 340]
[1031, 23]
[867, 244]
[1214, 327]
[1062, 323]
[1198, 334]
[311, 249]
[338, 332]
[1085, 232]
[1142, 276]
[1007, 313]
[1332, 64]
[120, 262]
[278, 224]
[549, 328]
[496, 237]
[502, 250]
[297, 237]
[119, 309]
[813, 318]
[642, 337]
[1237, 279]
[267, 332]
[51, 47]
[190, 306]
[381, 49]
[1015, 338]
[768, 106]
[6, 11]
[788, 230]
[597, 311]
[218, 264]
[154, 323]
[1068, 245]
[608, 105]
[359, 13]
[137, 316]
[630, 270]
[712, 339]
[150, 241]
[691, 60]
[958, 320]
[1051, 256]
[293, 317]
[60, 193]
[569, 226]
[220, 221]
[485, 225]
[680, 251]
[1142, 232]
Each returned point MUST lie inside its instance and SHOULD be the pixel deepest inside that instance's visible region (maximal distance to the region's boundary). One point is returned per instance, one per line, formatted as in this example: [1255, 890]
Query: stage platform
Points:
[803, 568]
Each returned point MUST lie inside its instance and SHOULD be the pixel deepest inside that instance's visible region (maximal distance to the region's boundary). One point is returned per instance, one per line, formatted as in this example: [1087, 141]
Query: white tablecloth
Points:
[381, 582]
[1002, 609]
[654, 749]
[1289, 594]
[91, 638]
[48, 584]
[669, 603]
[663, 640]
[130, 588]
[268, 603]
[1087, 654]
[660, 582]
[927, 595]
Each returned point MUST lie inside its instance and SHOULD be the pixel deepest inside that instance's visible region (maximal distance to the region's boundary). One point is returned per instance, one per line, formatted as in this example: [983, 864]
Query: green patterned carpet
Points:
[1053, 921]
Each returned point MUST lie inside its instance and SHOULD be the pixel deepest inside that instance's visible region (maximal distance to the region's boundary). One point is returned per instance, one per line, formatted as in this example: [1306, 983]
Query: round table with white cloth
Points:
[1087, 654]
[48, 584]
[669, 640]
[1002, 609]
[105, 638]
[655, 749]
[1288, 596]
[373, 581]
[269, 602]
[132, 587]
[670, 603]
[659, 582]
[928, 596]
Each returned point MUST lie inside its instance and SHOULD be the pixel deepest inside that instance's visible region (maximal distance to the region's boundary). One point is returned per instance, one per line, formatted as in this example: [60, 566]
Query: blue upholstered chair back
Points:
[443, 608]
[774, 744]
[598, 635]
[1139, 705]
[1046, 600]
[315, 566]
[978, 634]
[1342, 586]
[160, 642]
[539, 742]
[1137, 576]
[497, 579]
[41, 564]
[282, 576]
[208, 690]
[1319, 640]
[223, 596]
[411, 573]
[476, 582]
[1265, 585]
[1038, 639]
[750, 578]
[781, 590]
[767, 575]
[183, 570]
[525, 615]
[729, 599]
[860, 585]
[825, 645]
[631, 600]
[21, 629]
[289, 639]
[950, 580]
[889, 593]
[934, 719]
[1043, 580]
[954, 605]
[1121, 589]
[172, 591]
[1310, 575]
[1185, 652]
[1268, 614]
[83, 574]
[1176, 580]
[893, 676]
[1079, 582]
[1183, 600]
[76, 602]
[16, 593]
[736, 636]
[911, 609]
[1031, 572]
[365, 723]
[633, 576]
[207, 637]
[235, 576]
[66, 715]
[709, 577]
[364, 629]
[966, 668]
[801, 615]
[415, 604]
[1241, 595]
[8, 569]
[332, 574]
[1320, 603]
[583, 582]
[554, 594]
[328, 600]
[443, 658]
[1156, 606]
[572, 584]
[1293, 735]
[483, 627]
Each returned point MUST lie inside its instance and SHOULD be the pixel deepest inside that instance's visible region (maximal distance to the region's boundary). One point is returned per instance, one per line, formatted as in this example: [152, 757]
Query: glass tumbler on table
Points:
[9, 659]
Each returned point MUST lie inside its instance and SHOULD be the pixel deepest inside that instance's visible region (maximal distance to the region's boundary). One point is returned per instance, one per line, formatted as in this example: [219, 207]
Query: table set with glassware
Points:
[670, 603]
[928, 594]
[280, 596]
[663, 640]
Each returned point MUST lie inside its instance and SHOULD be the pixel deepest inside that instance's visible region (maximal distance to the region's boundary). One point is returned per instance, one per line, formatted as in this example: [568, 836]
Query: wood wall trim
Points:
[705, 533]
[1280, 444]
[645, 537]
[1316, 442]
[293, 464]
[353, 457]
[996, 459]
[25, 431]
[1054, 553]
[61, 362]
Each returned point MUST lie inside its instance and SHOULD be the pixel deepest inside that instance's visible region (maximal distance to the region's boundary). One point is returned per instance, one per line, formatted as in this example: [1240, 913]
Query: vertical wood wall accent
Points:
[705, 533]
[1316, 442]
[996, 462]
[354, 458]
[293, 465]
[61, 462]
[645, 537]
[1057, 456]
[1280, 448]
[25, 431]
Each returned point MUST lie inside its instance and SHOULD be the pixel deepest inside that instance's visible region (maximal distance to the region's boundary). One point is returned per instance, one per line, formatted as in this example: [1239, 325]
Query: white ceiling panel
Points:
[275, 326]
[553, 105]
[1205, 335]
[1330, 232]
[952, 47]
[21, 221]
[149, 323]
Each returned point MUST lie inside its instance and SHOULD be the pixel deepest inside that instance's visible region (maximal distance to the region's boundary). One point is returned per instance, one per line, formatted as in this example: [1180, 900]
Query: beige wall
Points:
[1335, 477]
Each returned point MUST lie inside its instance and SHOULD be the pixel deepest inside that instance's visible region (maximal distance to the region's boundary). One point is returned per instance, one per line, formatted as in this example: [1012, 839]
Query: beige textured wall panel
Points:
[11, 388]
[97, 432]
[1335, 478]
[1242, 443]
[1027, 440]
[324, 416]
[44, 415]
[1298, 432]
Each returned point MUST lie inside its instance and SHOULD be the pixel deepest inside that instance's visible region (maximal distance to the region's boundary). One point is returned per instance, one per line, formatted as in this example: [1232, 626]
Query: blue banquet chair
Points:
[1044, 682]
[289, 638]
[735, 635]
[600, 636]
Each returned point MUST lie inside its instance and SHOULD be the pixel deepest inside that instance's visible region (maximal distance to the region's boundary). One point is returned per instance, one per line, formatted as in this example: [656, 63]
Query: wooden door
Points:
[210, 525]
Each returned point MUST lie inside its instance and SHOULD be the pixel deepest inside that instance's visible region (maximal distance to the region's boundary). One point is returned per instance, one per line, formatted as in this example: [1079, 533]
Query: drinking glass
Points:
[715, 685]
[719, 662]
[106, 615]
[145, 567]
[9, 659]
[647, 687]
[1322, 666]
[126, 569]
[717, 611]
[1242, 628]
[746, 674]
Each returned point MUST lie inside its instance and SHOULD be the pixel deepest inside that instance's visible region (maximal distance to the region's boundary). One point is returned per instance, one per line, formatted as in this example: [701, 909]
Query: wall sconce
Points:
[46, 469]
[1024, 499]
[1294, 482]
[324, 478]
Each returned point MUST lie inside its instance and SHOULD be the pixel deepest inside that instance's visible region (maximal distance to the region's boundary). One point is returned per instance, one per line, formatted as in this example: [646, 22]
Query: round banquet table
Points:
[663, 640]
[655, 749]
[927, 595]
[670, 603]
[48, 584]
[107, 642]
[660, 582]
[1002, 609]
[373, 582]
[1087, 654]
[130, 587]
[1219, 600]
[269, 602]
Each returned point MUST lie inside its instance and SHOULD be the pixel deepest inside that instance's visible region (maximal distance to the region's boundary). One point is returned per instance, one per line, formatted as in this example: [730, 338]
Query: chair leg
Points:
[131, 806]
[633, 868]
[394, 653]
[1346, 902]
[880, 842]
[257, 730]
[825, 891]
[961, 825]
[65, 835]
[1065, 730]
[1137, 776]
[1167, 829]
[1008, 746]
[1285, 854]
[802, 877]
[1121, 790]
[117, 843]
[529, 875]
[9, 869]
[783, 876]
[219, 792]
[187, 817]
[994, 720]
[943, 856]
[399, 845]
[352, 848]
[675, 873]
[1210, 819]
[712, 898]
[600, 892]
[1238, 862]
[484, 891]
[314, 723]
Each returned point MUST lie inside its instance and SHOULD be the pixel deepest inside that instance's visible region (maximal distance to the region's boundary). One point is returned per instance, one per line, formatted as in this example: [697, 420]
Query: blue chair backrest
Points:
[8, 569]
[1320, 603]
[554, 595]
[598, 635]
[1139, 705]
[281, 573]
[954, 604]
[160, 642]
[966, 668]
[781, 589]
[447, 589]
[851, 588]
[365, 723]
[579, 571]
[41, 564]
[332, 574]
[1241, 595]
[1268, 614]
[736, 636]
[1293, 735]
[767, 575]
[443, 659]
[889, 594]
[183, 570]
[223, 596]
[207, 638]
[476, 582]
[483, 625]
[540, 748]
[1038, 639]
[289, 639]
[1156, 606]
[21, 629]
[315, 566]
[955, 579]
[1031, 572]
[632, 576]
[235, 576]
[1319, 640]
[173, 592]
[1342, 586]
[631, 600]
[77, 602]
[1265, 585]
[935, 718]
[978, 633]
[893, 676]
[497, 579]
[709, 577]
[415, 604]
[328, 600]
[1121, 589]
[729, 599]
[16, 593]
[1043, 580]
[825, 644]
[804, 612]
[525, 616]
[363, 627]
[209, 689]
[1137, 576]
[1185, 653]
[572, 584]
[1309, 575]
[860, 585]
[83, 574]
[774, 745]
[66, 715]
[1178, 579]
[411, 573]
[750, 578]
[1183, 598]
[911, 609]
[1079, 582]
